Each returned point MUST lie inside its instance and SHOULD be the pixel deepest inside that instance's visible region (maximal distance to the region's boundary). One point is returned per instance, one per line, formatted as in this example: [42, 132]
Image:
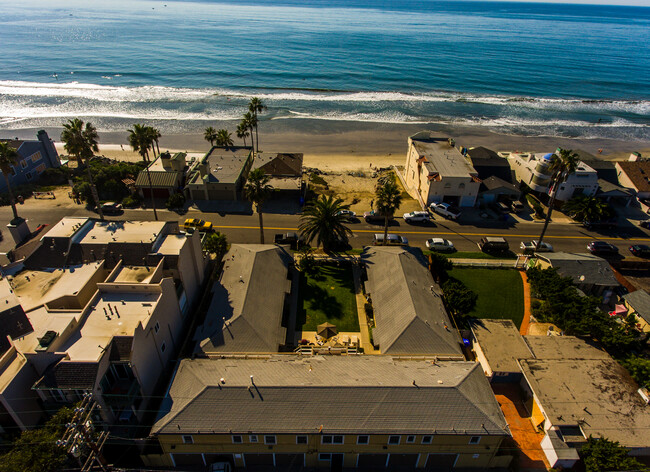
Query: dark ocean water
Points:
[539, 69]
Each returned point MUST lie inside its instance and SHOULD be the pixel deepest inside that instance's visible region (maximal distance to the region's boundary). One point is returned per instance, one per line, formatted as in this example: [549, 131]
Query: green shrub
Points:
[175, 201]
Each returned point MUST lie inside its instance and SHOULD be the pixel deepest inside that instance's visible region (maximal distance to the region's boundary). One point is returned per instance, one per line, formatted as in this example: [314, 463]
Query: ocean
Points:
[515, 68]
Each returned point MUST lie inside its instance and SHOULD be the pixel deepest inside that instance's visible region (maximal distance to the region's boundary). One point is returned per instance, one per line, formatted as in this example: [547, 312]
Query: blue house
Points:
[34, 157]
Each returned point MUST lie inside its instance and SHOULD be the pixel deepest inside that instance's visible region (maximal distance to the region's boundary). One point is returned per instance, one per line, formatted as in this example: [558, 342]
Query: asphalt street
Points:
[244, 228]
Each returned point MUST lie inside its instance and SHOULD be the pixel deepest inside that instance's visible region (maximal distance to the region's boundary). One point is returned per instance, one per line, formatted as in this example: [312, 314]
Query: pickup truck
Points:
[446, 210]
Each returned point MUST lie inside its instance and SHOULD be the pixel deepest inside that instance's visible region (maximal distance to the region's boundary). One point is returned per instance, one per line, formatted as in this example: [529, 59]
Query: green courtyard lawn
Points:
[500, 292]
[327, 295]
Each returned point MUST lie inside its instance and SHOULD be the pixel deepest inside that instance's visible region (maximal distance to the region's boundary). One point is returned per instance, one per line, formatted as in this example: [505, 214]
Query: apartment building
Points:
[329, 412]
[436, 171]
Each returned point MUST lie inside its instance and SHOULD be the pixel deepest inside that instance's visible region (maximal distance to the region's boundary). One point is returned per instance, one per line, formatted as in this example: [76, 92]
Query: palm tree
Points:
[224, 138]
[323, 220]
[388, 198]
[242, 131]
[257, 189]
[141, 139]
[8, 158]
[250, 122]
[83, 142]
[561, 168]
[584, 208]
[256, 106]
[210, 135]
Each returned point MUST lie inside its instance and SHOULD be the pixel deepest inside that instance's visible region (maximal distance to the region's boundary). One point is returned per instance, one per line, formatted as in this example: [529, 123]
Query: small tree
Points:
[459, 299]
[602, 454]
[216, 243]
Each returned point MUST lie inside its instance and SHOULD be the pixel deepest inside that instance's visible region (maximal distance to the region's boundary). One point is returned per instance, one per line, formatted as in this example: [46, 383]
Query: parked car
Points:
[493, 244]
[446, 210]
[530, 247]
[602, 224]
[391, 240]
[640, 250]
[440, 245]
[111, 208]
[417, 216]
[200, 225]
[517, 206]
[348, 213]
[373, 217]
[602, 247]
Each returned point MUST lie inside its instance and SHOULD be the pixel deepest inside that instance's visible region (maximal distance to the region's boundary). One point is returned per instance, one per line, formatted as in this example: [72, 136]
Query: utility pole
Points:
[80, 439]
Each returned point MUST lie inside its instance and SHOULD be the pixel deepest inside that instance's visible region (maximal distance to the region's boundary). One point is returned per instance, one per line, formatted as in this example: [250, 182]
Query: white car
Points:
[440, 244]
[416, 216]
[446, 210]
[530, 247]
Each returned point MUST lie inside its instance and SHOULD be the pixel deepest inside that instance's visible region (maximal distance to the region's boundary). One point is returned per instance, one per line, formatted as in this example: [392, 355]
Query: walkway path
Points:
[523, 329]
[367, 346]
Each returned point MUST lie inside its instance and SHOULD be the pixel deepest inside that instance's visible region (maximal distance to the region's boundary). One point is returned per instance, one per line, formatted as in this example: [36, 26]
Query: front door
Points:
[336, 464]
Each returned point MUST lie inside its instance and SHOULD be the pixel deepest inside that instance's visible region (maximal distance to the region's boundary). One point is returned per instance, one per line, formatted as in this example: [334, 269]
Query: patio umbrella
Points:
[326, 330]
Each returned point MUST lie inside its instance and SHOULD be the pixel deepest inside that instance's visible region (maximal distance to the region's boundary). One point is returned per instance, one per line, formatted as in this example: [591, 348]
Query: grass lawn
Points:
[500, 292]
[327, 295]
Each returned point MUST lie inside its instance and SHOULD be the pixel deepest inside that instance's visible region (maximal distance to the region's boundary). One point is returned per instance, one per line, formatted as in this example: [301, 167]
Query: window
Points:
[330, 439]
[363, 439]
[324, 457]
[270, 439]
[252, 438]
[427, 439]
[475, 439]
[157, 327]
[237, 439]
[163, 346]
[394, 440]
[410, 439]
[188, 440]
[301, 439]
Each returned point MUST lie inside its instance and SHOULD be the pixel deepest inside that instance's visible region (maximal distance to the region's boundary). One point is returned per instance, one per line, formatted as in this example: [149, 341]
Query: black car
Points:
[640, 250]
[602, 247]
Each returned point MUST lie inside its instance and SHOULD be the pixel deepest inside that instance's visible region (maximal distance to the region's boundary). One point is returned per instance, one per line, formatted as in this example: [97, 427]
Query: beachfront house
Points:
[436, 171]
[221, 174]
[533, 169]
[34, 156]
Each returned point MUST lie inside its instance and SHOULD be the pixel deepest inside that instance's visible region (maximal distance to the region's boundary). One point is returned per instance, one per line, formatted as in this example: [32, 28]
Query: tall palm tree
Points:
[561, 168]
[584, 208]
[224, 138]
[141, 139]
[82, 141]
[250, 122]
[324, 221]
[256, 106]
[388, 198]
[8, 158]
[242, 131]
[210, 135]
[257, 189]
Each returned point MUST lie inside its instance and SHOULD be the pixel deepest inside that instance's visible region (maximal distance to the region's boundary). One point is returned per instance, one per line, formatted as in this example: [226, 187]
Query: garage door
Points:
[258, 459]
[441, 462]
[188, 459]
[290, 461]
[402, 461]
[372, 461]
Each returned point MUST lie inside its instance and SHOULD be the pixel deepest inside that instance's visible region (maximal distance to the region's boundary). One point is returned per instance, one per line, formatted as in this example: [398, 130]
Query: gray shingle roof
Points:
[245, 314]
[365, 394]
[640, 302]
[594, 269]
[409, 314]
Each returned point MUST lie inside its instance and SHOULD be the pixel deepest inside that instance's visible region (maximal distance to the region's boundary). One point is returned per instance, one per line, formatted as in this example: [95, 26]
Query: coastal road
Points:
[244, 228]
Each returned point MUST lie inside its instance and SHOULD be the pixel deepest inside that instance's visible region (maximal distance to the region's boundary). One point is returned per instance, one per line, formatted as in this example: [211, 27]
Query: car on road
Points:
[602, 247]
[391, 240]
[348, 213]
[197, 224]
[111, 208]
[416, 216]
[640, 250]
[440, 245]
[446, 210]
[529, 247]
